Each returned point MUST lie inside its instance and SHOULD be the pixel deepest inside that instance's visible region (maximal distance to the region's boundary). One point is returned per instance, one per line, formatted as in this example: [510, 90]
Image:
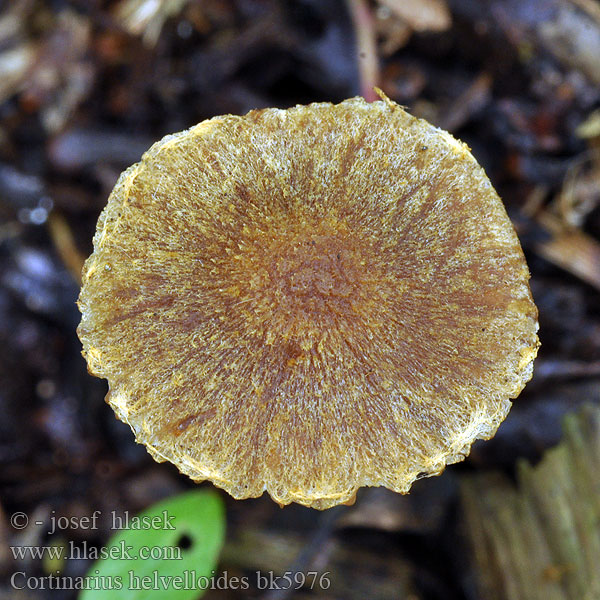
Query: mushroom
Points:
[307, 301]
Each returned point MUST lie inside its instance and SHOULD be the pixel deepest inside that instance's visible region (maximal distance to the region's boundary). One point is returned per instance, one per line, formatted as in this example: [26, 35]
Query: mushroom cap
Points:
[308, 301]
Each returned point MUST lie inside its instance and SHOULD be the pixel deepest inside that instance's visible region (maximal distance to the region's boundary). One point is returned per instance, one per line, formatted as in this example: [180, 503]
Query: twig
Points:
[366, 43]
[307, 555]
[468, 104]
[563, 369]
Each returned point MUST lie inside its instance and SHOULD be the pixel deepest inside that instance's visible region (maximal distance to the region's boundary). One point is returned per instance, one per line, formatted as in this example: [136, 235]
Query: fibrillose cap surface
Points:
[308, 301]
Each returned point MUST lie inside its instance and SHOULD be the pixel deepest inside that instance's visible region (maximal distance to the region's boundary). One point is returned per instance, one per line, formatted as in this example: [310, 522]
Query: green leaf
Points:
[172, 556]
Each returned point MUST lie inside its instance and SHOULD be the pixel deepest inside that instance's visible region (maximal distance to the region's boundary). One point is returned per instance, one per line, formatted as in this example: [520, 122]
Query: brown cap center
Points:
[294, 285]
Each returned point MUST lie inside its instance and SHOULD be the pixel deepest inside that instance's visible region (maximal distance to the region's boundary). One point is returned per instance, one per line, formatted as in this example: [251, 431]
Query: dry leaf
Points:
[421, 15]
